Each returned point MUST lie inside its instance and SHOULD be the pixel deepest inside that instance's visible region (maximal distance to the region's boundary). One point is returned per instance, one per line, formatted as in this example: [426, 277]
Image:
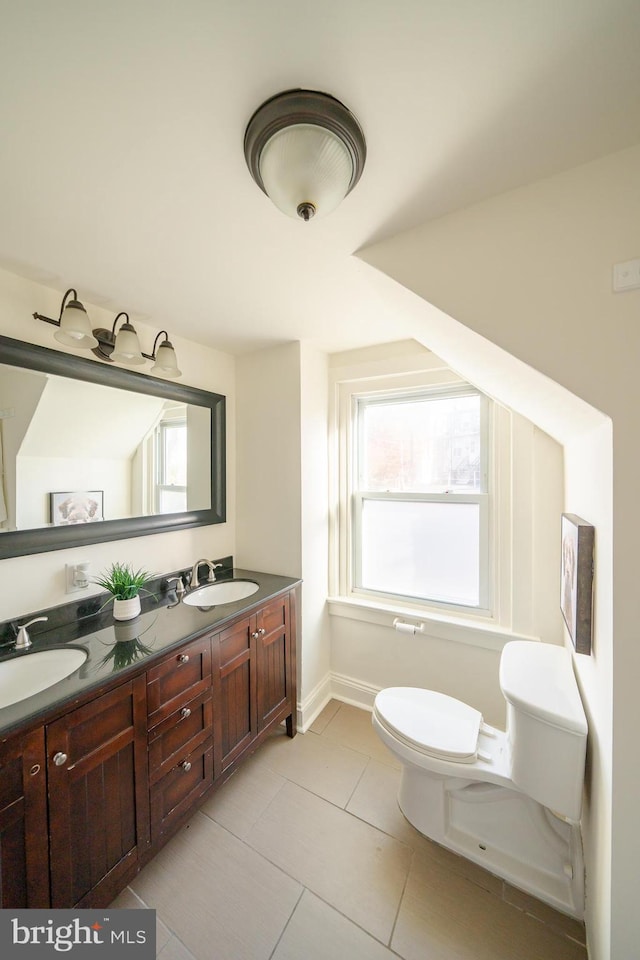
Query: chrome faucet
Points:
[23, 641]
[179, 587]
[195, 582]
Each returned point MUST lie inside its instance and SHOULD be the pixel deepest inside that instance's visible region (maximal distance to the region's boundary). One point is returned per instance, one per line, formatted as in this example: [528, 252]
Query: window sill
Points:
[456, 629]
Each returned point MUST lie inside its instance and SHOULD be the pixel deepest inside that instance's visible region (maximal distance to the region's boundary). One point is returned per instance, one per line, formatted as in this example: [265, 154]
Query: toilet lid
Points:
[431, 722]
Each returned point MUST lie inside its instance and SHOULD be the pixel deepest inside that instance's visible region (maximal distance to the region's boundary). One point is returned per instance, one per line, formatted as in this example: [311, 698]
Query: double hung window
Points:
[419, 518]
[171, 463]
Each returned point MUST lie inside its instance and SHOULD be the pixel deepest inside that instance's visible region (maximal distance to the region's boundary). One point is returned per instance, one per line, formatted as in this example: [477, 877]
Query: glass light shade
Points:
[166, 364]
[127, 348]
[75, 328]
[305, 163]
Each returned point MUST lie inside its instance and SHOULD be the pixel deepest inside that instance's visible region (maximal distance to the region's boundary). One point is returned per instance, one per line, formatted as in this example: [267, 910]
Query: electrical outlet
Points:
[77, 575]
[626, 276]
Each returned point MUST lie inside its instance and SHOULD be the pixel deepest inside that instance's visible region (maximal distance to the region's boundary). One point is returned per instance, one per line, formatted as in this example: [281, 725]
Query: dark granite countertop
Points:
[118, 649]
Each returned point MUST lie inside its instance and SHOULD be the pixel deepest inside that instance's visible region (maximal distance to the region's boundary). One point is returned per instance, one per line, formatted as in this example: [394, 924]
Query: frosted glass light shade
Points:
[304, 164]
[75, 328]
[127, 347]
[305, 150]
[166, 364]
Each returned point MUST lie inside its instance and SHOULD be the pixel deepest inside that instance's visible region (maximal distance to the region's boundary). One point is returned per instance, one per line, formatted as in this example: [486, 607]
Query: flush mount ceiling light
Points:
[306, 151]
[74, 330]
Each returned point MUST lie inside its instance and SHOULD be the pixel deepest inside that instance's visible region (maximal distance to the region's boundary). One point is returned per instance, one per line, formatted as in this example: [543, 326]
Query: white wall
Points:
[38, 581]
[282, 491]
[37, 477]
[530, 271]
[315, 647]
[269, 461]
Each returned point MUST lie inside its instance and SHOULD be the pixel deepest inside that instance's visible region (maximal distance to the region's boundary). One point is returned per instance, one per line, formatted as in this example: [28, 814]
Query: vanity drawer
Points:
[174, 794]
[182, 731]
[180, 676]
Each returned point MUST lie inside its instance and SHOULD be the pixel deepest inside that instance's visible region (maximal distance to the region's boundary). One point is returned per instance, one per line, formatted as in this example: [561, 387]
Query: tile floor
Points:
[304, 855]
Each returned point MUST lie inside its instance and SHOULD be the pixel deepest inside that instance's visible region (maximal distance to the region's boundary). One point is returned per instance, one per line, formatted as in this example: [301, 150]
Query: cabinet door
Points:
[24, 855]
[99, 796]
[274, 662]
[234, 691]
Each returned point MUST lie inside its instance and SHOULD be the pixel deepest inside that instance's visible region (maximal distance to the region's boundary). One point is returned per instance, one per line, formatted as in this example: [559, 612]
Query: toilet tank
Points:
[546, 724]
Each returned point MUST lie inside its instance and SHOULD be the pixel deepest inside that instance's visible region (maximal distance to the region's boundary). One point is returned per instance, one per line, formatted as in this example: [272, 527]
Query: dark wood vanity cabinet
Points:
[90, 797]
[180, 721]
[234, 666]
[24, 851]
[276, 669]
[98, 796]
[254, 679]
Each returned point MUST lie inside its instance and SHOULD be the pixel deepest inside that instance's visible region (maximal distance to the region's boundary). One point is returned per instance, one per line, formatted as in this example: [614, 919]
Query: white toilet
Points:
[509, 801]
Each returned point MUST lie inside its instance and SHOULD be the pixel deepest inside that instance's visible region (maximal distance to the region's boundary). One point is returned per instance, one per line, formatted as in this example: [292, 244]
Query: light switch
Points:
[626, 276]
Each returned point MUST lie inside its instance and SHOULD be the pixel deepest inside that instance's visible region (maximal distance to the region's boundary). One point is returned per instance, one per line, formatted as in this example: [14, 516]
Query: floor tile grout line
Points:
[288, 921]
[400, 901]
[350, 920]
[356, 785]
[282, 870]
[174, 936]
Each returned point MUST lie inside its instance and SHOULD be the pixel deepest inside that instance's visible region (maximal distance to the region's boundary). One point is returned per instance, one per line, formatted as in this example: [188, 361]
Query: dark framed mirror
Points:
[91, 452]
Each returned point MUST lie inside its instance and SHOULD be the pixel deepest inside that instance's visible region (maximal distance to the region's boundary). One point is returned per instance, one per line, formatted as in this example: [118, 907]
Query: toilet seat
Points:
[430, 722]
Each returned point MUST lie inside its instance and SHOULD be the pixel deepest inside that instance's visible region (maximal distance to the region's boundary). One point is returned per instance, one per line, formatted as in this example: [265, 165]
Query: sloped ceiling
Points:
[122, 172]
[75, 420]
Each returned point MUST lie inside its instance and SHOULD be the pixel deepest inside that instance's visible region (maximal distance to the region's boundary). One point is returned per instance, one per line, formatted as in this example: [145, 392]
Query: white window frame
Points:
[166, 423]
[357, 496]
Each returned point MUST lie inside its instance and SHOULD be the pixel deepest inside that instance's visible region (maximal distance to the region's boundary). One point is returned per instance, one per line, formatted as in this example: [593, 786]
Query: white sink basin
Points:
[34, 672]
[225, 591]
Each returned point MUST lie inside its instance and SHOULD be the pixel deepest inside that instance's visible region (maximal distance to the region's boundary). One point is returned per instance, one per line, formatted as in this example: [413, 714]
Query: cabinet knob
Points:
[34, 769]
[186, 766]
[256, 634]
[185, 712]
[184, 658]
[60, 759]
[262, 631]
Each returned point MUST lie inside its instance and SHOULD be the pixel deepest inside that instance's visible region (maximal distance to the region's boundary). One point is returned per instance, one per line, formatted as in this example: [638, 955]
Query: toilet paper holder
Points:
[403, 627]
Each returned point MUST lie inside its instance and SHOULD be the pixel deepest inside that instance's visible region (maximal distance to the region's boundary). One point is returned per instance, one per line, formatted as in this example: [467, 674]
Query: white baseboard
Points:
[314, 703]
[356, 692]
[334, 686]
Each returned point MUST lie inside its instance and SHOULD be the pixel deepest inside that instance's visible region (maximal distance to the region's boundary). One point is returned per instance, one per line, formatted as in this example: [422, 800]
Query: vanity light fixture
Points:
[124, 347]
[166, 362]
[74, 328]
[306, 151]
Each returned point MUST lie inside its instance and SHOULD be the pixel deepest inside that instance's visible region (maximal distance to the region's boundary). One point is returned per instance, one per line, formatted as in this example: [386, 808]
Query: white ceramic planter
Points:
[126, 609]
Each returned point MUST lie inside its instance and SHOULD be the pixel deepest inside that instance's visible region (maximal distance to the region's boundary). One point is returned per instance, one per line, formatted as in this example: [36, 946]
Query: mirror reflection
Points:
[77, 452]
[90, 452]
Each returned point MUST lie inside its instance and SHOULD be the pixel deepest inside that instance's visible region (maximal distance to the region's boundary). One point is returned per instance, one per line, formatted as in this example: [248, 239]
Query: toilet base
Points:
[503, 831]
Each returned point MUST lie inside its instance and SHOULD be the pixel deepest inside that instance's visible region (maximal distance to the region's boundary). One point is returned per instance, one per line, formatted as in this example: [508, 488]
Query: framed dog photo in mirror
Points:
[576, 593]
[79, 506]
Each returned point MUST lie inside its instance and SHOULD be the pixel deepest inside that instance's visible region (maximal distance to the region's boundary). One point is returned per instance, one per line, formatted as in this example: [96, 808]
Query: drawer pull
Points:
[186, 766]
[184, 658]
[185, 712]
[60, 759]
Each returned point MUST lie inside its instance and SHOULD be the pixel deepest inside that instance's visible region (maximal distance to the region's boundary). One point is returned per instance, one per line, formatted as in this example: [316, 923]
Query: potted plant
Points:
[125, 585]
